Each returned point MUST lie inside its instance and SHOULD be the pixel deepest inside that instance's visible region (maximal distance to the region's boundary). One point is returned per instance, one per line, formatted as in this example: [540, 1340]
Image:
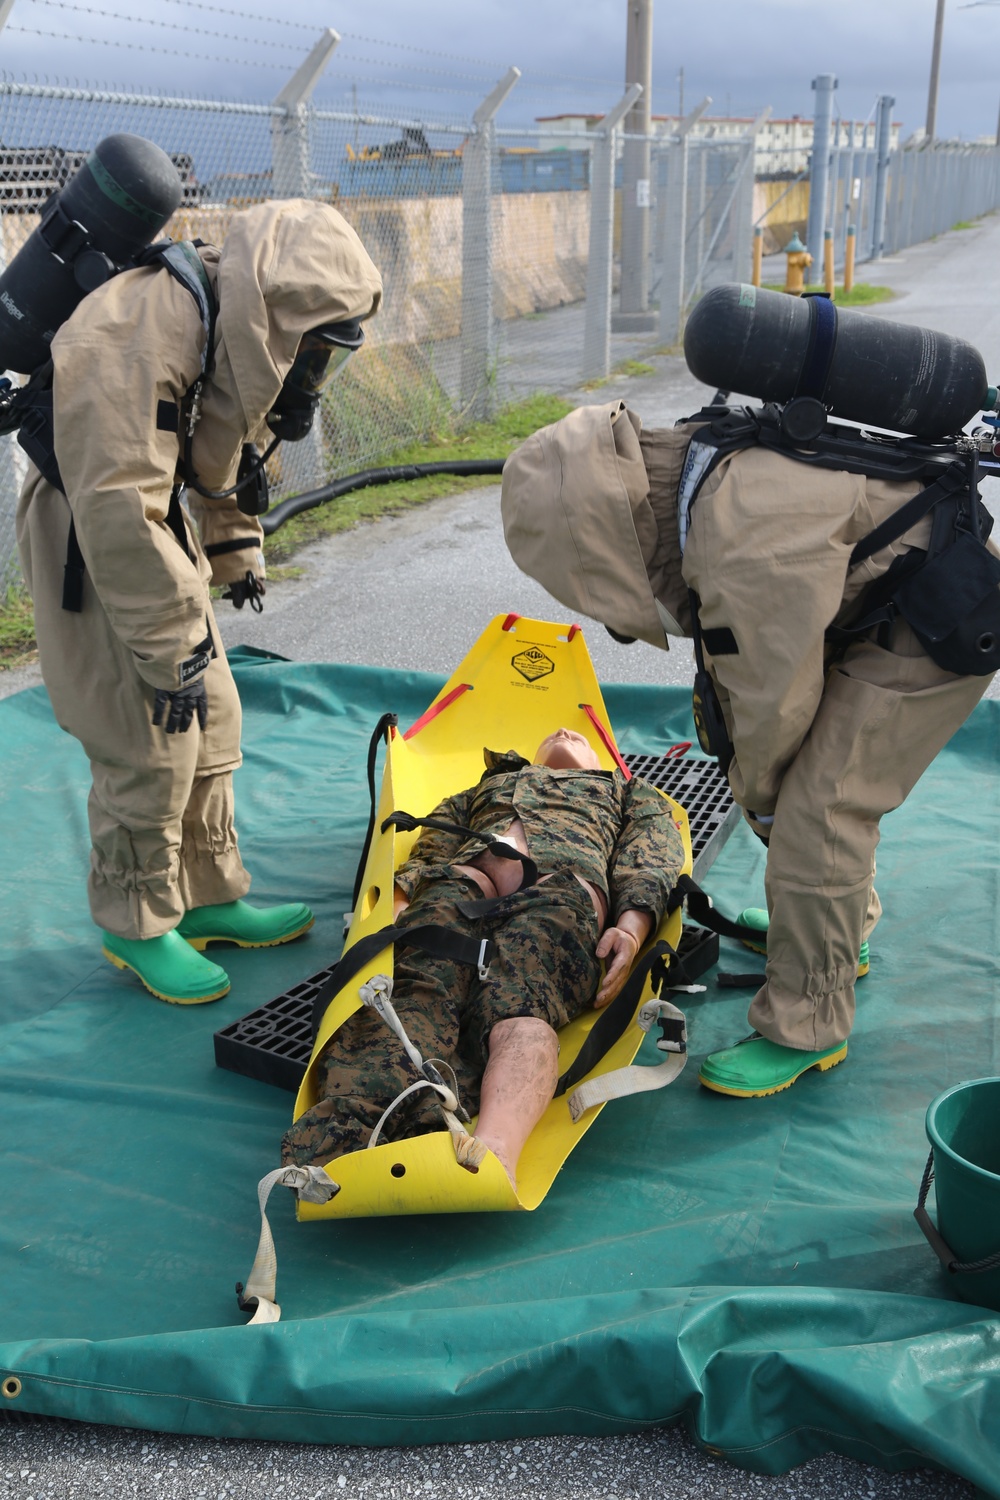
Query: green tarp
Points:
[752, 1267]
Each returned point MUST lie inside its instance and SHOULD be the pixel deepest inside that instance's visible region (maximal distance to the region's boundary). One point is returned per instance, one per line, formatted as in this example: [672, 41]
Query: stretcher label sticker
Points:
[532, 663]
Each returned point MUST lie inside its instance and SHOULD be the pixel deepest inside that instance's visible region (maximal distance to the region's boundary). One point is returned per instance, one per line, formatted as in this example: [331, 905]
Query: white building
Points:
[783, 146]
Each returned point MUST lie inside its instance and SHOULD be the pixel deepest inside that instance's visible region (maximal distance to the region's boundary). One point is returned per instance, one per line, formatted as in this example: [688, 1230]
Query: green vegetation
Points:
[451, 439]
[862, 293]
[17, 628]
[629, 367]
[966, 224]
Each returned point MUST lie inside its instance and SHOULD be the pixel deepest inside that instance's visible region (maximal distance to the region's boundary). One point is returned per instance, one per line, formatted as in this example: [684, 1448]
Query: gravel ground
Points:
[67, 1459]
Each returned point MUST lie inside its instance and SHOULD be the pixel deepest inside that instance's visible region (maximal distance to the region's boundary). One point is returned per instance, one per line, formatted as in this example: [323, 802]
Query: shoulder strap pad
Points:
[181, 259]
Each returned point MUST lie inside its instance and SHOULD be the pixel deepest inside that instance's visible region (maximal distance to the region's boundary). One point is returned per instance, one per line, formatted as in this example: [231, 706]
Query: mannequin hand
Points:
[621, 946]
[181, 706]
[247, 590]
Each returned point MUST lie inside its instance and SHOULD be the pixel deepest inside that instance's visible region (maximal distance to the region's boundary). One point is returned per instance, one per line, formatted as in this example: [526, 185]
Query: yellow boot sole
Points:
[201, 943]
[822, 1067]
[120, 963]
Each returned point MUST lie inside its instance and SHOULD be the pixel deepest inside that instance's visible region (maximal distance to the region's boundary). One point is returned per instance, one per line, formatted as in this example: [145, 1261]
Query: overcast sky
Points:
[437, 57]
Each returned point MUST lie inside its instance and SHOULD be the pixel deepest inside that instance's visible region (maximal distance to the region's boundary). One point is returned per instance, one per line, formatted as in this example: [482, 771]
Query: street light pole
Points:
[932, 91]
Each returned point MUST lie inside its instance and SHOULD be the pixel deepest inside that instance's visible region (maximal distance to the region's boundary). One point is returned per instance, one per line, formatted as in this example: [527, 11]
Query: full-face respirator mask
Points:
[322, 354]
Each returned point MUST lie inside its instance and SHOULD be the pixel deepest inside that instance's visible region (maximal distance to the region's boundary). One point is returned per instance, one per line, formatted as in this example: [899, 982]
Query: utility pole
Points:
[932, 90]
[680, 94]
[635, 316]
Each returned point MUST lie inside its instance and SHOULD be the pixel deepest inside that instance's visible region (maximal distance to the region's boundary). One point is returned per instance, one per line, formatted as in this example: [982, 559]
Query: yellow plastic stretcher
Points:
[521, 679]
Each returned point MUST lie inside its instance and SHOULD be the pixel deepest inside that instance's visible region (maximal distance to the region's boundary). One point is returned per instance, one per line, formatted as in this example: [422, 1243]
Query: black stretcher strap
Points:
[617, 1018]
[443, 942]
[406, 822]
[701, 910]
[381, 731]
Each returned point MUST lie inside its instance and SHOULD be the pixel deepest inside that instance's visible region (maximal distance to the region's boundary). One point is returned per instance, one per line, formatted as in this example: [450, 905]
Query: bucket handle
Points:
[941, 1249]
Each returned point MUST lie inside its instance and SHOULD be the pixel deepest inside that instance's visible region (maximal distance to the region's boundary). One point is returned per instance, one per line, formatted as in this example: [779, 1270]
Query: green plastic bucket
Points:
[963, 1127]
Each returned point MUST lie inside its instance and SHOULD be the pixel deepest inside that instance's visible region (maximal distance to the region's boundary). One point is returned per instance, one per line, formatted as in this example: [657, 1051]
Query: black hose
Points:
[366, 477]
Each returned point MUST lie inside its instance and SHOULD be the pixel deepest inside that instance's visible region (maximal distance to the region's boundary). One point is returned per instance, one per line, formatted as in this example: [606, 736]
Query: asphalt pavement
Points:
[412, 592]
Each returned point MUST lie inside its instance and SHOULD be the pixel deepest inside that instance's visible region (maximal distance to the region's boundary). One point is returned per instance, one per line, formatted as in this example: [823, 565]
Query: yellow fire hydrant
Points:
[798, 259]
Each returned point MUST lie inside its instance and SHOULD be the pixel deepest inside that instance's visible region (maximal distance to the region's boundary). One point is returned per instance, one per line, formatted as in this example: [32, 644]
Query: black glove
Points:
[180, 706]
[247, 590]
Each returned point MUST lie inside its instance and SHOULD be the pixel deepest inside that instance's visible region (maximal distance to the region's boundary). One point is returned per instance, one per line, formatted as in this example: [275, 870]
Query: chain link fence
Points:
[503, 261]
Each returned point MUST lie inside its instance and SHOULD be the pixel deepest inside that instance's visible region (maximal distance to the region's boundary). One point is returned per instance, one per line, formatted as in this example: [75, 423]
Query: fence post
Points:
[819, 164]
[478, 342]
[742, 209]
[673, 222]
[290, 175]
[633, 314]
[883, 135]
[597, 318]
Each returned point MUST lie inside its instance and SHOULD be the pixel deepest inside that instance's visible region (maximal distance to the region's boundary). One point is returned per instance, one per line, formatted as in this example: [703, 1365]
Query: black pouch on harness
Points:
[952, 603]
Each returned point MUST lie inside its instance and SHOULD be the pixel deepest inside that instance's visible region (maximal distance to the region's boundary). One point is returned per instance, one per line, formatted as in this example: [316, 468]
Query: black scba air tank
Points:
[775, 347]
[115, 205]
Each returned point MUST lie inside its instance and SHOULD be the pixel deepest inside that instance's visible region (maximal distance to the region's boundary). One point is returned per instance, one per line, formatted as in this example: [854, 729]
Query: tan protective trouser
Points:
[883, 717]
[161, 807]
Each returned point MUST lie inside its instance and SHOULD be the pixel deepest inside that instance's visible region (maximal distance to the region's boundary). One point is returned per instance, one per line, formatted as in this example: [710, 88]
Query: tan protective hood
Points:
[286, 267]
[577, 518]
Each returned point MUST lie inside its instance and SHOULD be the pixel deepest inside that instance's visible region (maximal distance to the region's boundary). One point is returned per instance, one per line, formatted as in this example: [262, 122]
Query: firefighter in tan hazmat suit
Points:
[825, 740]
[139, 675]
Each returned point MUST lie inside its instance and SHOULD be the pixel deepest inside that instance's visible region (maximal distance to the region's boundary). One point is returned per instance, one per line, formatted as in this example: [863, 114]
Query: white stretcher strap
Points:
[620, 1082]
[310, 1183]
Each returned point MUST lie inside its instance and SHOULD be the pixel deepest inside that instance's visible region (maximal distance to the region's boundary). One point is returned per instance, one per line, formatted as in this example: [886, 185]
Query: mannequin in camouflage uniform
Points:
[607, 851]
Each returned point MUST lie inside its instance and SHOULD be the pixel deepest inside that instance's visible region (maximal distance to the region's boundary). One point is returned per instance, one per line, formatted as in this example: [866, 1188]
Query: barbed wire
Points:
[100, 41]
[116, 15]
[305, 26]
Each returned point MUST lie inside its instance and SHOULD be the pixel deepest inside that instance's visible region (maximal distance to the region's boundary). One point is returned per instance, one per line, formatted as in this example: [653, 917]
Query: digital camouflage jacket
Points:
[618, 834]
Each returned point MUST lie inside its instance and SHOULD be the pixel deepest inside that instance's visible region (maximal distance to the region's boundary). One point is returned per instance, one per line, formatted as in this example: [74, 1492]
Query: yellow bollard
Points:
[829, 285]
[798, 259]
[758, 255]
[849, 248]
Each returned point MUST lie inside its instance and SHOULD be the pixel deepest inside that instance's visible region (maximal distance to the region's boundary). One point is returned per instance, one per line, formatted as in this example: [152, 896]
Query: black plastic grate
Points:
[703, 792]
[274, 1042]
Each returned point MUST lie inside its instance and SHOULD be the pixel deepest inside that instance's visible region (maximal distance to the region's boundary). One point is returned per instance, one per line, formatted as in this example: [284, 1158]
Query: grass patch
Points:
[17, 628]
[451, 440]
[862, 293]
[965, 224]
[630, 367]
[418, 404]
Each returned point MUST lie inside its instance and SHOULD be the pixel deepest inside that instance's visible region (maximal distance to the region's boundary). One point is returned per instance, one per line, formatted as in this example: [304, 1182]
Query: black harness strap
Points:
[406, 822]
[954, 478]
[442, 942]
[73, 571]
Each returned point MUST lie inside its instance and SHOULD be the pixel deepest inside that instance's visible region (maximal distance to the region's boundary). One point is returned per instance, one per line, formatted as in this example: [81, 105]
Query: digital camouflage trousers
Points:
[543, 965]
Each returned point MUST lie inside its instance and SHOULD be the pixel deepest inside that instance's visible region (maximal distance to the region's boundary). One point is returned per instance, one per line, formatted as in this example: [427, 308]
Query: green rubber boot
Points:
[168, 967]
[246, 926]
[756, 917]
[756, 1067]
